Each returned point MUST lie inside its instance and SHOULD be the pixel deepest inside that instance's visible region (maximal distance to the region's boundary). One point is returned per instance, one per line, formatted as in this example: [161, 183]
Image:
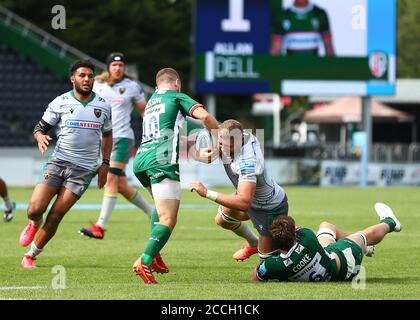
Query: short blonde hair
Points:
[228, 127]
[167, 75]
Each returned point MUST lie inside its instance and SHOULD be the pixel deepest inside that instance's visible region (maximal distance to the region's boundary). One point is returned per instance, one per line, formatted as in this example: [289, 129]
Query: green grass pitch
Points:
[199, 252]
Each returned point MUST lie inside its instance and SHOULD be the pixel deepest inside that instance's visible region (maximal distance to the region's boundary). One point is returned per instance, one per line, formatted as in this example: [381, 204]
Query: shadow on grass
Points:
[393, 280]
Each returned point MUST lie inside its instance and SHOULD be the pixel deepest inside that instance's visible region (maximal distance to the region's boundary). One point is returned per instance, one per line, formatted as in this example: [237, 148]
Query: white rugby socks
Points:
[8, 203]
[141, 203]
[108, 204]
[245, 232]
[33, 251]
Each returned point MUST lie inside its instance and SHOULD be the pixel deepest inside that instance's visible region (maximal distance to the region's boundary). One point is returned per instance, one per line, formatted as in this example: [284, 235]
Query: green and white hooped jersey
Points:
[121, 97]
[164, 114]
[301, 29]
[305, 261]
[80, 126]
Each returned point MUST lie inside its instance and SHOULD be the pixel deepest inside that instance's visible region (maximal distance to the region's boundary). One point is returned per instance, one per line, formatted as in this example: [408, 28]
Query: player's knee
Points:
[225, 221]
[117, 172]
[122, 184]
[218, 220]
[168, 221]
[35, 210]
[325, 224]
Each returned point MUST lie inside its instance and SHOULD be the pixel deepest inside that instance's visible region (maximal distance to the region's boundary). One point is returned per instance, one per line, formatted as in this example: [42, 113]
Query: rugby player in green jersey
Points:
[301, 30]
[331, 255]
[156, 163]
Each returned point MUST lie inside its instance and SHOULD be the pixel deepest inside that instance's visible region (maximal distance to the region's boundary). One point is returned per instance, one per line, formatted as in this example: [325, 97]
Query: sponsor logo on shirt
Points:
[81, 124]
[247, 167]
[262, 270]
[157, 175]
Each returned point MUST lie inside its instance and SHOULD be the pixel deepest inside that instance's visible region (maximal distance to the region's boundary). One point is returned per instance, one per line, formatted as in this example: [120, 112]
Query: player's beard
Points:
[81, 91]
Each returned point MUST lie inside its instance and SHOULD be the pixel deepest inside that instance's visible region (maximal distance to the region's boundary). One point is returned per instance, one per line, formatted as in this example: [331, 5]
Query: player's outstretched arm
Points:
[206, 118]
[106, 153]
[242, 200]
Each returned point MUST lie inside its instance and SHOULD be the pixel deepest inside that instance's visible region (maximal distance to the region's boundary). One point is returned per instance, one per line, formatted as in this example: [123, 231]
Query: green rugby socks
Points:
[159, 235]
[390, 222]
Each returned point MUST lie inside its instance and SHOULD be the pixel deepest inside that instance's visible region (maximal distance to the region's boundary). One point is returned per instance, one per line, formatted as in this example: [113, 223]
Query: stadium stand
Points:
[33, 71]
[26, 89]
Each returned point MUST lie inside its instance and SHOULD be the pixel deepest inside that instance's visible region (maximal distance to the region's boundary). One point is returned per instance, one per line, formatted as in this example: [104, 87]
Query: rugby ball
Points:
[203, 140]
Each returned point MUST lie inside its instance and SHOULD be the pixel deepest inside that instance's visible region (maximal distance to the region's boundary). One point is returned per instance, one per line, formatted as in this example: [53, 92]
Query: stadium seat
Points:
[25, 91]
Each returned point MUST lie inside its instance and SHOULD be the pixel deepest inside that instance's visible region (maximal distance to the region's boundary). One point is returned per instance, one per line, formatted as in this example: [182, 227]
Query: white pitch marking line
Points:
[23, 288]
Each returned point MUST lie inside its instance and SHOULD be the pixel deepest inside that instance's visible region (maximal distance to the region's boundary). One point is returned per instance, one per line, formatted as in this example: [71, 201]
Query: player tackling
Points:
[156, 163]
[331, 255]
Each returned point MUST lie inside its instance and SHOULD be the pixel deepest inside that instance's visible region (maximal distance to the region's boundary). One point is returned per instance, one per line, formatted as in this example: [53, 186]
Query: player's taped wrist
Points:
[212, 195]
[105, 161]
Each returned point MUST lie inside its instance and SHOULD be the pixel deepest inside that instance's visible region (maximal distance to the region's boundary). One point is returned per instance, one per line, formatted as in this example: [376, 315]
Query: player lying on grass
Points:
[257, 195]
[331, 255]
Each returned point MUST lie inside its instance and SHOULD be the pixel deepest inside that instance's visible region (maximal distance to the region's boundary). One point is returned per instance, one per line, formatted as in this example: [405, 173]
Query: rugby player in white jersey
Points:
[84, 122]
[122, 93]
[257, 195]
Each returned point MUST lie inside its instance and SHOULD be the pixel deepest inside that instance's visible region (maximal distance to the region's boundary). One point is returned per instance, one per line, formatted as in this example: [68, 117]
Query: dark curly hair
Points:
[82, 63]
[283, 232]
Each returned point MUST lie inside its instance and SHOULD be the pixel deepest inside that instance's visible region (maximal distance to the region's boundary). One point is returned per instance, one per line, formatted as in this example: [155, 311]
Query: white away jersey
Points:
[248, 165]
[121, 97]
[80, 128]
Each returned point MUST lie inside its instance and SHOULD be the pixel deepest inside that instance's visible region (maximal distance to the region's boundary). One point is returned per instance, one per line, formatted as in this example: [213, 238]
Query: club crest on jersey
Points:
[97, 112]
[46, 176]
[378, 63]
[122, 90]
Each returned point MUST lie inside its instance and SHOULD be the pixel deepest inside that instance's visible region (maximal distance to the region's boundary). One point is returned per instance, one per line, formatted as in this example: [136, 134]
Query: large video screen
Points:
[296, 47]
